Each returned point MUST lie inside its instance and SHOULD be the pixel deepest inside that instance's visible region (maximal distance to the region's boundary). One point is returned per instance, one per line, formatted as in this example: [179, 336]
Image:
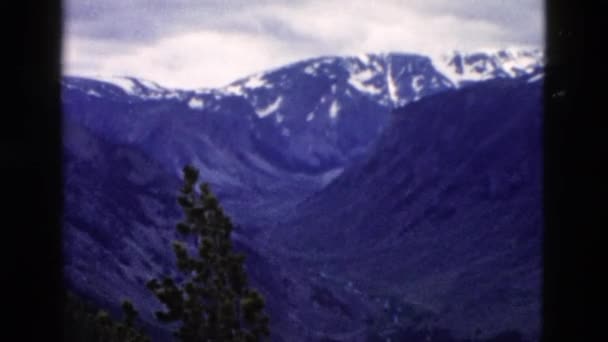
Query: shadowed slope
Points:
[445, 213]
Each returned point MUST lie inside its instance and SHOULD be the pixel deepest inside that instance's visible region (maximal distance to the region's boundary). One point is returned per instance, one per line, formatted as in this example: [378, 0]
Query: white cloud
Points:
[271, 34]
[191, 60]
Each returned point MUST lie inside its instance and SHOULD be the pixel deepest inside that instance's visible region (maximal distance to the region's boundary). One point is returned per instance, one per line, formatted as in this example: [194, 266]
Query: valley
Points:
[374, 196]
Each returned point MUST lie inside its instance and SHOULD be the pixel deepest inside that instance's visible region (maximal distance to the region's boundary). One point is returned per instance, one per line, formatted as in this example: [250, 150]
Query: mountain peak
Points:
[323, 96]
[465, 67]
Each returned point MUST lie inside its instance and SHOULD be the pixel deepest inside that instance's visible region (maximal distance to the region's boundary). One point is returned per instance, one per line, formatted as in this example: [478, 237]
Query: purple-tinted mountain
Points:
[441, 225]
[265, 144]
[278, 135]
[119, 218]
[172, 134]
[308, 117]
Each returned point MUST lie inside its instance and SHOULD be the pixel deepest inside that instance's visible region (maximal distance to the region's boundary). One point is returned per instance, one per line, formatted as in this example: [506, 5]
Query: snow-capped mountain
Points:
[396, 79]
[393, 78]
[445, 215]
[123, 86]
[316, 115]
[266, 143]
[389, 79]
[462, 68]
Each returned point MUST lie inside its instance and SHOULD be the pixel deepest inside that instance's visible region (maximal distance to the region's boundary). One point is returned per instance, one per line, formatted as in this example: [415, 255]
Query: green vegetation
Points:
[213, 302]
[83, 323]
[210, 302]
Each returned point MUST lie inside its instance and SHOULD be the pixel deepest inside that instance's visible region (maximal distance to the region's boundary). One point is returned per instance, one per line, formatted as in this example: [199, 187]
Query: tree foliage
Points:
[82, 322]
[213, 301]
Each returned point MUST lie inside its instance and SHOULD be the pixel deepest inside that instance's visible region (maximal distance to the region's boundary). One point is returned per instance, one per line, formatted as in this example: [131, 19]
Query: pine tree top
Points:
[213, 301]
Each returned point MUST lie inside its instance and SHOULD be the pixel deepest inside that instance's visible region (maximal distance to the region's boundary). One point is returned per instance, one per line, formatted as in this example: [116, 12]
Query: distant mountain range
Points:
[317, 114]
[294, 145]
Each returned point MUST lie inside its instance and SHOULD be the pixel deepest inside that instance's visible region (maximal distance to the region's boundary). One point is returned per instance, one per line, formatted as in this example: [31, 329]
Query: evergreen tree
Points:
[213, 301]
[83, 323]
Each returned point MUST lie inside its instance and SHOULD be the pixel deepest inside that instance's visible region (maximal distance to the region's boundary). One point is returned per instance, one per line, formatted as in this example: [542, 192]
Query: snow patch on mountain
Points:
[173, 95]
[243, 86]
[460, 67]
[196, 103]
[364, 58]
[255, 81]
[125, 83]
[137, 88]
[362, 76]
[359, 78]
[150, 85]
[516, 61]
[235, 90]
[417, 83]
[334, 109]
[364, 88]
[330, 175]
[271, 108]
[311, 69]
[93, 93]
[392, 86]
[536, 78]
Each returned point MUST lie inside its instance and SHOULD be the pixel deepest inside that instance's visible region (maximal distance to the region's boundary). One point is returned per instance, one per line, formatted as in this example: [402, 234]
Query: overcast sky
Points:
[210, 43]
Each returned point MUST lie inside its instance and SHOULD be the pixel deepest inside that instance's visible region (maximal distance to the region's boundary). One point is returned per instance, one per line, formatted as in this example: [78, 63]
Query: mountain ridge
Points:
[498, 57]
[125, 146]
[318, 114]
[445, 211]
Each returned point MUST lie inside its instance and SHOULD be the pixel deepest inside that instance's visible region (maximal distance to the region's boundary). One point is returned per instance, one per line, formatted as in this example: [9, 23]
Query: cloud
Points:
[190, 60]
[196, 43]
